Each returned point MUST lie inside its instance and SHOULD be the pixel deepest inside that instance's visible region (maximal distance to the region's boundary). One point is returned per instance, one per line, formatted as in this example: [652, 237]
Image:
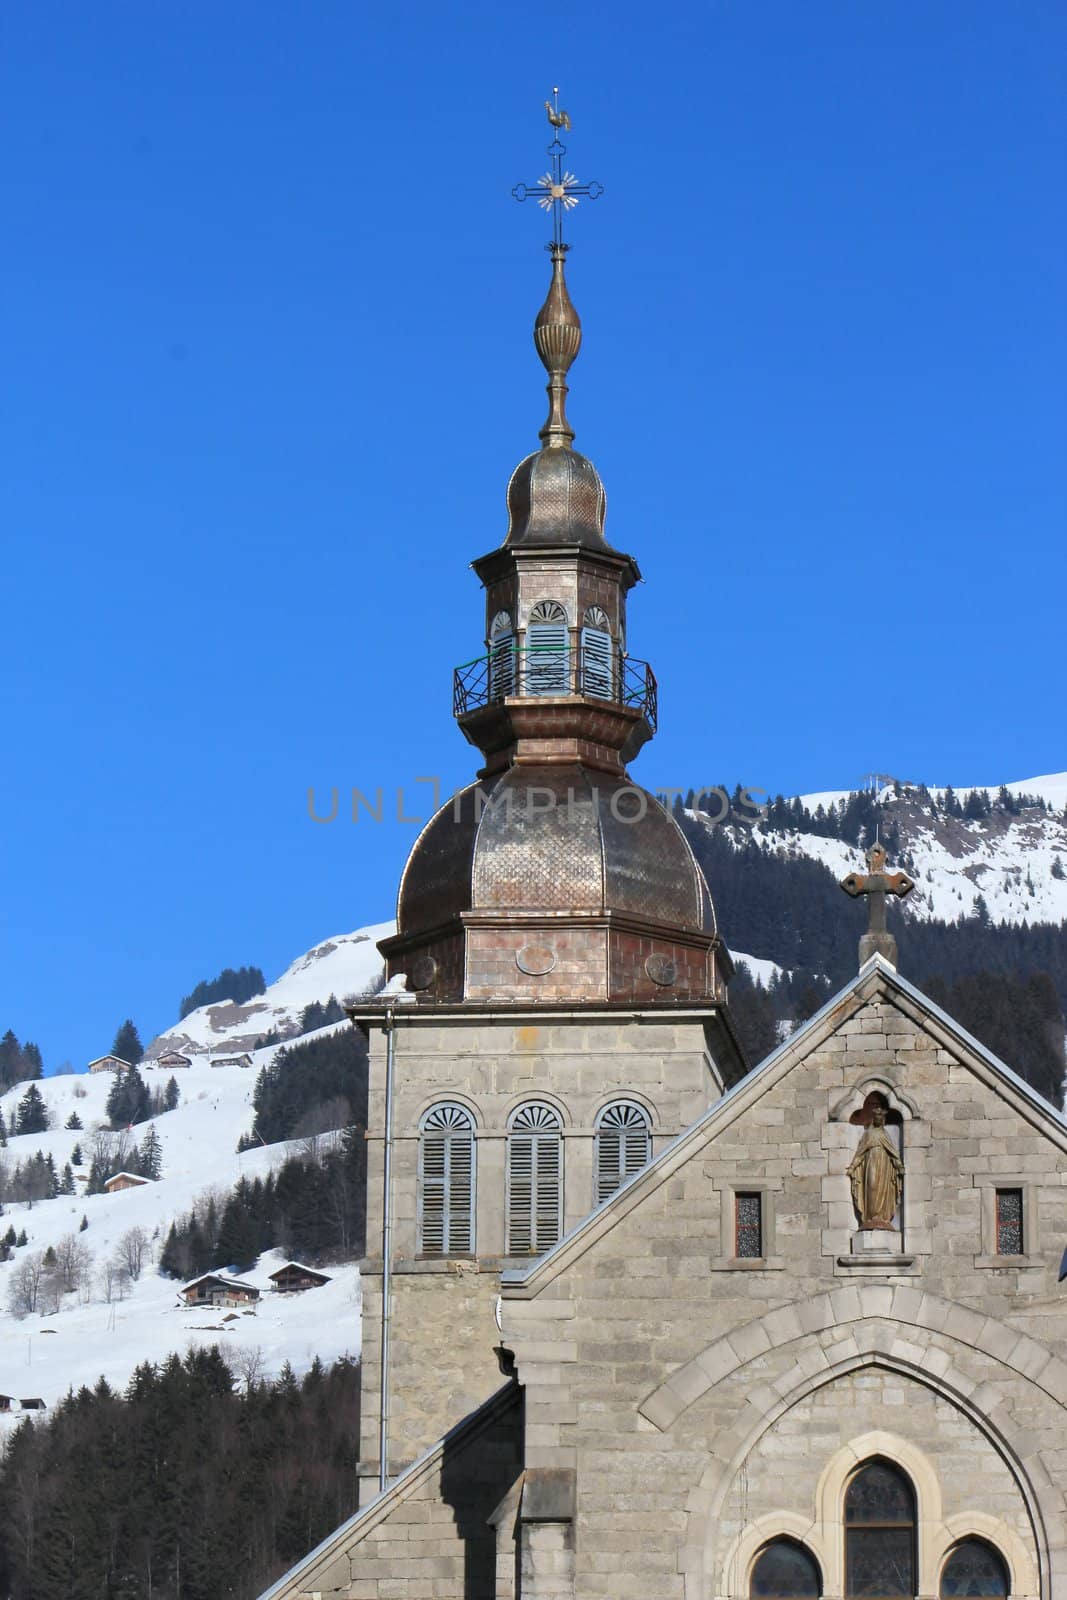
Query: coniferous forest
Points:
[198, 1483]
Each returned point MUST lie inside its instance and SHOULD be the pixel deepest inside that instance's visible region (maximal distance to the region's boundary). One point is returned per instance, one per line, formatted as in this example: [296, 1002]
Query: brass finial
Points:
[558, 330]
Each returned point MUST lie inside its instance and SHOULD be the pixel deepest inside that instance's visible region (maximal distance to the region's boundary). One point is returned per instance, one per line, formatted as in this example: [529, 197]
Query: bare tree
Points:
[246, 1361]
[73, 1262]
[25, 1284]
[114, 1281]
[133, 1251]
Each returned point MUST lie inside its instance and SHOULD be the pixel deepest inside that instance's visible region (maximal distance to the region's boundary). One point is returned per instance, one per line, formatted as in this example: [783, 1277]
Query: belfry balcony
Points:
[556, 704]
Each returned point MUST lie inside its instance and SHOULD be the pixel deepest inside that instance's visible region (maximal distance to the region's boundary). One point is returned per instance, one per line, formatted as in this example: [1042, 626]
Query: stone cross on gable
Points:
[876, 884]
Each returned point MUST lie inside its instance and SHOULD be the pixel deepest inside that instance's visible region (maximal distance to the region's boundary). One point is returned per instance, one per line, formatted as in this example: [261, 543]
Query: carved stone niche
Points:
[876, 1172]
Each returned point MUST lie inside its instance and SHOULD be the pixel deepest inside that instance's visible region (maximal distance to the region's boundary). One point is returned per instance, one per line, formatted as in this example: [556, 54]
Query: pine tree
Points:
[32, 1063]
[76, 1156]
[127, 1044]
[127, 1100]
[3, 1130]
[10, 1060]
[150, 1154]
[83, 1224]
[22, 1238]
[74, 1122]
[66, 1182]
[171, 1095]
[32, 1116]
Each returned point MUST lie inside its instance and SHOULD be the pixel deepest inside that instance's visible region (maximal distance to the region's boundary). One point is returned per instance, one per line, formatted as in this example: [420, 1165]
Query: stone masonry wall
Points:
[443, 1323]
[654, 1362]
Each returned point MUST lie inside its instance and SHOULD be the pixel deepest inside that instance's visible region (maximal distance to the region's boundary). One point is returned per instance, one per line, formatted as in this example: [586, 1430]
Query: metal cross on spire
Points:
[558, 190]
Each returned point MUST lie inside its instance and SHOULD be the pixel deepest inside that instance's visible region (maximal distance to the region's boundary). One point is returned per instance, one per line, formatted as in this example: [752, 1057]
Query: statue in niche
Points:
[876, 1171]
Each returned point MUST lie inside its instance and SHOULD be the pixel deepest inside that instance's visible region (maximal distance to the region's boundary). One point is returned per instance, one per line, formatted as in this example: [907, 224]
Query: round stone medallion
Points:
[662, 970]
[536, 959]
[422, 972]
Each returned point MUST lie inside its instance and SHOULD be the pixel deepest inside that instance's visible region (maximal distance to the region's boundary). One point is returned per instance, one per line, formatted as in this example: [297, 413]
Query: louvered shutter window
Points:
[535, 1188]
[623, 1146]
[502, 656]
[598, 664]
[446, 1182]
[548, 648]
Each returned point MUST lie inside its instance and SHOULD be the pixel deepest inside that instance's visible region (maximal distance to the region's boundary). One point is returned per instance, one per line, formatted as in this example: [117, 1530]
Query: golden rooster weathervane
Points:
[558, 190]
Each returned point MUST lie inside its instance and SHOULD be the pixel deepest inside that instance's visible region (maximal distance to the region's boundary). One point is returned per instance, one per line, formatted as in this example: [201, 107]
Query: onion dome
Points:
[559, 839]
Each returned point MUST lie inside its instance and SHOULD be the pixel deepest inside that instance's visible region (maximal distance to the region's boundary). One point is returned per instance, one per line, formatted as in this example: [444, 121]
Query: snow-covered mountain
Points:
[346, 966]
[43, 1356]
[1016, 863]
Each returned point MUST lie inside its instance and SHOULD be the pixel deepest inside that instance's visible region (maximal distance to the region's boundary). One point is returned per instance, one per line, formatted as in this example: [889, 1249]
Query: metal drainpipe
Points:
[387, 1228]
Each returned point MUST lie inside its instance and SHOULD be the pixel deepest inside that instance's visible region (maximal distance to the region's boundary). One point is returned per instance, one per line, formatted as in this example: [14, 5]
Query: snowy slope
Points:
[346, 966]
[1008, 861]
[46, 1355]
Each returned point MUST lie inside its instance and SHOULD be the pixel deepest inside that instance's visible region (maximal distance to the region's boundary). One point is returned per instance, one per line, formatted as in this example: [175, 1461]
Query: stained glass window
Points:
[974, 1568]
[785, 1571]
[879, 1534]
[1009, 1222]
[748, 1225]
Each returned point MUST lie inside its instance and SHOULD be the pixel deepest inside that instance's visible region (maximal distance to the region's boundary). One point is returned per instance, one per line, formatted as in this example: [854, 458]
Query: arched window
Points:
[974, 1568]
[784, 1570]
[879, 1534]
[535, 1188]
[548, 649]
[598, 655]
[446, 1182]
[501, 656]
[623, 1146]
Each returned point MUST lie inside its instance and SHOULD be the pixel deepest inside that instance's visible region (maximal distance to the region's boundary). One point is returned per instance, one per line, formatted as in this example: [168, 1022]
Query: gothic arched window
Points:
[974, 1568]
[879, 1534]
[501, 656]
[548, 649]
[623, 1146]
[446, 1182]
[534, 1187]
[784, 1570]
[598, 655]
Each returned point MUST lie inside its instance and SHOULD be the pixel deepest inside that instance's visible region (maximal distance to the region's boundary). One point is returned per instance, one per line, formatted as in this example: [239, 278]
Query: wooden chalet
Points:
[109, 1064]
[124, 1180]
[213, 1289]
[172, 1059]
[241, 1060]
[33, 1403]
[294, 1278]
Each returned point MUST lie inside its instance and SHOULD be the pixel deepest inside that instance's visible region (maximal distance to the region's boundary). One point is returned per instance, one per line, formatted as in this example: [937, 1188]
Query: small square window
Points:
[1010, 1222]
[748, 1226]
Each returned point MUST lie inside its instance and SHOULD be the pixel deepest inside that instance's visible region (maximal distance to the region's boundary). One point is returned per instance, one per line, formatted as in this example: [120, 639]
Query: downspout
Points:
[387, 1230]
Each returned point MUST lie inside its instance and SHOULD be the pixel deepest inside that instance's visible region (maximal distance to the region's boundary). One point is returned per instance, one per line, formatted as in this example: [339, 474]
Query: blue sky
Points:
[267, 360]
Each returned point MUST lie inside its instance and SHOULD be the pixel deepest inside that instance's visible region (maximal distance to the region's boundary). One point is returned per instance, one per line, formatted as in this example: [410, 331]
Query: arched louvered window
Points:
[446, 1182]
[974, 1568]
[623, 1146]
[598, 655]
[548, 650]
[502, 656]
[784, 1570]
[535, 1180]
[879, 1534]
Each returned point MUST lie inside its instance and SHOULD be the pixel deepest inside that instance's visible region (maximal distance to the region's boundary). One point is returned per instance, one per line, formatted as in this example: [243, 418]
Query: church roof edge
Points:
[519, 1278]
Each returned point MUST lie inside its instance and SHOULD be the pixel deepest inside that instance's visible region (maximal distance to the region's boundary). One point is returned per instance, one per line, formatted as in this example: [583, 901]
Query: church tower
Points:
[556, 1012]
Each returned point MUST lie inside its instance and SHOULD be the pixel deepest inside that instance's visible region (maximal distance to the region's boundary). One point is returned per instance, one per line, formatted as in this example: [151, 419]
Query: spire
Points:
[876, 884]
[558, 329]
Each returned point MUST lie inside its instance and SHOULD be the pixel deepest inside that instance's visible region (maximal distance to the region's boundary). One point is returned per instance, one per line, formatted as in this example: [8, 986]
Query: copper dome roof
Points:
[556, 497]
[554, 839]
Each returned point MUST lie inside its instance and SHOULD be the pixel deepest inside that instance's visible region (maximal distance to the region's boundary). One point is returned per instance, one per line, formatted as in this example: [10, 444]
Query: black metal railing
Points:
[540, 673]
